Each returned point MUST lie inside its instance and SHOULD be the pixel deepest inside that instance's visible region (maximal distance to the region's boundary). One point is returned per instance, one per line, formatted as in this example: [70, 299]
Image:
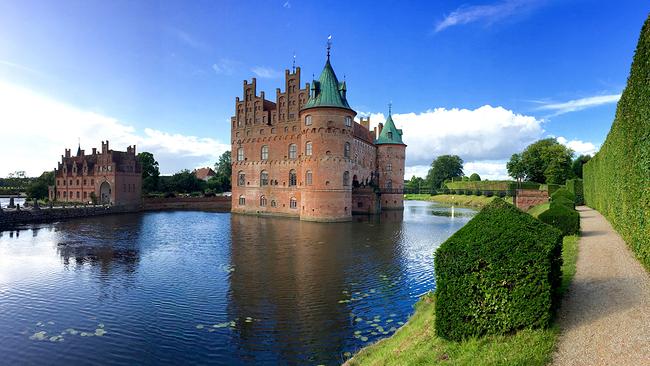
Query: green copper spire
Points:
[327, 91]
[390, 134]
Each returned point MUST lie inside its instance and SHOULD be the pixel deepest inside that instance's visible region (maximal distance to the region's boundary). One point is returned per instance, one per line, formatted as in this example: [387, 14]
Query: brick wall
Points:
[527, 198]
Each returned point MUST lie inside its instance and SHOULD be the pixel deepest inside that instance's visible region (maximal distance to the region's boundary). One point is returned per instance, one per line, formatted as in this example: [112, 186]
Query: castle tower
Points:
[327, 126]
[390, 165]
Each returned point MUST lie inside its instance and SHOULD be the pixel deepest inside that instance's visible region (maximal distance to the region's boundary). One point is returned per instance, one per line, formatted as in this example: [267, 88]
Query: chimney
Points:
[380, 127]
[94, 150]
[365, 122]
[374, 132]
[67, 153]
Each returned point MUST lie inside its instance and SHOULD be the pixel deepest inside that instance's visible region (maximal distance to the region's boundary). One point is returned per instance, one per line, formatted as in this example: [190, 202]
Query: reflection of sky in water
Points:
[195, 287]
[4, 202]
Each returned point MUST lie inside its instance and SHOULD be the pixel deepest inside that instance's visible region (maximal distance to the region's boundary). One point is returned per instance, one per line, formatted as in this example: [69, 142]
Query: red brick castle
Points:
[111, 177]
[305, 156]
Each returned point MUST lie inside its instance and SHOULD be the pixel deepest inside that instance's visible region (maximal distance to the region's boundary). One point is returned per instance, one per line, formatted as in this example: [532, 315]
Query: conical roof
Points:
[390, 134]
[327, 91]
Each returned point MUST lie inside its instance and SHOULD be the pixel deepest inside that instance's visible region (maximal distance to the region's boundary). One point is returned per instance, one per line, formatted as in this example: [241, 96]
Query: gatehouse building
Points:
[106, 177]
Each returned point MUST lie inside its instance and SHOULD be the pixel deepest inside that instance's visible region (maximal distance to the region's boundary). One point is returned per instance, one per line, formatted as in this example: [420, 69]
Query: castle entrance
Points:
[105, 193]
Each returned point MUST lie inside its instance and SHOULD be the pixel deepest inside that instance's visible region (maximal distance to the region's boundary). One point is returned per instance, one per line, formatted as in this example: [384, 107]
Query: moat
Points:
[191, 287]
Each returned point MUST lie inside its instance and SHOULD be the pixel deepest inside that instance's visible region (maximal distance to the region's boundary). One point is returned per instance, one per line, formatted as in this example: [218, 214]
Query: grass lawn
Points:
[460, 200]
[535, 211]
[415, 343]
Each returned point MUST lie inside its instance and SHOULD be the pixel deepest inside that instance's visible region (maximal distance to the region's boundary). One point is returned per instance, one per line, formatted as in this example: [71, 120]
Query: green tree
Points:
[185, 182]
[223, 172]
[577, 164]
[38, 188]
[516, 168]
[444, 167]
[415, 184]
[474, 177]
[150, 172]
[544, 161]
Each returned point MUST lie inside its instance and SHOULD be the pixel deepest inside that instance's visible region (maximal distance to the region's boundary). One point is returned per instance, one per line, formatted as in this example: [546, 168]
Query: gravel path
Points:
[605, 316]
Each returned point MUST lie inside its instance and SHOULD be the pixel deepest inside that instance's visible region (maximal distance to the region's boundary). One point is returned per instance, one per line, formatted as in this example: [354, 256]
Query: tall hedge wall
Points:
[575, 186]
[617, 179]
[499, 273]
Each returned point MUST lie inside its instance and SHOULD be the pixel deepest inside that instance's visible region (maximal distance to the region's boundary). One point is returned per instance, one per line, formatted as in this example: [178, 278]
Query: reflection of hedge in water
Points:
[617, 179]
[497, 274]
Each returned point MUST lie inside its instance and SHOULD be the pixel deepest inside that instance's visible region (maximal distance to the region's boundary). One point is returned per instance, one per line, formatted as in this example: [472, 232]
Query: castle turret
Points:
[327, 125]
[391, 152]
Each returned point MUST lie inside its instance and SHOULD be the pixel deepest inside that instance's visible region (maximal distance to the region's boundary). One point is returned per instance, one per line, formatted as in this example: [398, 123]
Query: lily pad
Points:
[38, 336]
[199, 326]
[100, 332]
[364, 339]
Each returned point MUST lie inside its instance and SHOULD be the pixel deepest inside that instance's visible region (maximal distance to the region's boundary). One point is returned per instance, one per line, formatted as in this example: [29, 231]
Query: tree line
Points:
[545, 161]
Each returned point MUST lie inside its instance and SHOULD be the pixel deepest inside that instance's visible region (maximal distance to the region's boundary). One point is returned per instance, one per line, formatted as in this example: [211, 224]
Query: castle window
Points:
[389, 167]
[92, 182]
[346, 178]
[85, 195]
[77, 194]
[273, 204]
[348, 121]
[346, 150]
[293, 151]
[292, 178]
[308, 148]
[70, 181]
[390, 135]
[264, 178]
[293, 203]
[242, 200]
[308, 178]
[307, 120]
[265, 152]
[389, 184]
[263, 201]
[65, 194]
[240, 154]
[241, 179]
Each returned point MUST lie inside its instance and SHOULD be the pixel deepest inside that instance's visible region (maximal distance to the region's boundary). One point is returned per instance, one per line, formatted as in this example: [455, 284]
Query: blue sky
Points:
[165, 74]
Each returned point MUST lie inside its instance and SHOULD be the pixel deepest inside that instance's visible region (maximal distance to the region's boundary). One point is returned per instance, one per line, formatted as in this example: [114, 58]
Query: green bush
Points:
[497, 274]
[502, 194]
[477, 192]
[563, 192]
[575, 186]
[563, 217]
[488, 193]
[563, 201]
[468, 192]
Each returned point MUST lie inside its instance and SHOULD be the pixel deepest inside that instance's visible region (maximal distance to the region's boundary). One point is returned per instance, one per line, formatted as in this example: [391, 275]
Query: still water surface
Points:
[197, 287]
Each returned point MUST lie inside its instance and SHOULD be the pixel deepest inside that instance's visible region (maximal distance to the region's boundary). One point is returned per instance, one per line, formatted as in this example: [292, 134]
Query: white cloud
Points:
[485, 133]
[37, 129]
[579, 104]
[487, 13]
[187, 39]
[286, 5]
[484, 138]
[224, 66]
[580, 147]
[266, 72]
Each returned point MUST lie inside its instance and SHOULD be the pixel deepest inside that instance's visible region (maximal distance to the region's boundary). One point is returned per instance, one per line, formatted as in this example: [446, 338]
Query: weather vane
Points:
[390, 108]
[329, 45]
[294, 62]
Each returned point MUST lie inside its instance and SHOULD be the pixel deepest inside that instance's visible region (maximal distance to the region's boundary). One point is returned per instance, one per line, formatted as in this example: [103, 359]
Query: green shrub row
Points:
[561, 213]
[575, 186]
[497, 274]
[617, 178]
[479, 193]
[503, 185]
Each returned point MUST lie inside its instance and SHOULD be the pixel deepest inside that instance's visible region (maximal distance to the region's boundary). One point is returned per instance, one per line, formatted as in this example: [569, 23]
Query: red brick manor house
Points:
[111, 177]
[305, 156]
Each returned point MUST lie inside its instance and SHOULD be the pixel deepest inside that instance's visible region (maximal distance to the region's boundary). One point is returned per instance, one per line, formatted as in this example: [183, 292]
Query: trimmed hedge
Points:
[562, 216]
[563, 192]
[491, 185]
[575, 186]
[497, 274]
[564, 202]
[617, 179]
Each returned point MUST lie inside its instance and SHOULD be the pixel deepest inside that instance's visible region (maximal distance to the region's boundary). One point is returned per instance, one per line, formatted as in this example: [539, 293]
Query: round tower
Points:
[391, 154]
[327, 125]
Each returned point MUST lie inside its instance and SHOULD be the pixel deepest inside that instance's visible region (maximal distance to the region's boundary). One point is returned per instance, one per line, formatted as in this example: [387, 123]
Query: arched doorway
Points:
[105, 193]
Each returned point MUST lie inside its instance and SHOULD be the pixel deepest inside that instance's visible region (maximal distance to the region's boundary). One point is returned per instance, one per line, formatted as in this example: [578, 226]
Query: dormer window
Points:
[390, 135]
